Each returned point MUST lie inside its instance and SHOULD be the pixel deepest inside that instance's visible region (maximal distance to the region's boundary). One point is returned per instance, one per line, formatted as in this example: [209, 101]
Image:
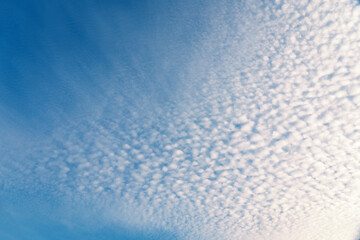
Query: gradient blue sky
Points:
[58, 57]
[179, 119]
[61, 63]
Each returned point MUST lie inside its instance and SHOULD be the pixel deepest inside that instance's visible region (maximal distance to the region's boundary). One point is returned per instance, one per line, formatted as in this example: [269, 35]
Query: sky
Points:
[180, 119]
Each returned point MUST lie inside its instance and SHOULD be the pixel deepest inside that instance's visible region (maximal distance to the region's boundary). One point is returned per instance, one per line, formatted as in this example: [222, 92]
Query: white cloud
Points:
[270, 150]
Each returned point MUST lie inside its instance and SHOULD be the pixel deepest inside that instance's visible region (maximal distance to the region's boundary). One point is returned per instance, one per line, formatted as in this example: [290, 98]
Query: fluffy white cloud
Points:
[267, 147]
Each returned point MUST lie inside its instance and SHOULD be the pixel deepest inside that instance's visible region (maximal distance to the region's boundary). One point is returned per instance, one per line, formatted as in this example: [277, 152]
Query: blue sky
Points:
[179, 120]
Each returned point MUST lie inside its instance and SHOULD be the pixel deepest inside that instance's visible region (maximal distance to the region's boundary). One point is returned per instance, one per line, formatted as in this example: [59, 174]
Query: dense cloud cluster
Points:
[263, 143]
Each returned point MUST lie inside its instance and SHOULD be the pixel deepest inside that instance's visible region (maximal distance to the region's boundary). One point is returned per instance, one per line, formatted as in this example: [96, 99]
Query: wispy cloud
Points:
[260, 141]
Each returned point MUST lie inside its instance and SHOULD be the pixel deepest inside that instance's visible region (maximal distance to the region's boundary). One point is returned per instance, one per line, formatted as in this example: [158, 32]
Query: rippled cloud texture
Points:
[180, 120]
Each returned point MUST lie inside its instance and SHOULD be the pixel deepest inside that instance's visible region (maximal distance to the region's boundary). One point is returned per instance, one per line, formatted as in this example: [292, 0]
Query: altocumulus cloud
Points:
[231, 120]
